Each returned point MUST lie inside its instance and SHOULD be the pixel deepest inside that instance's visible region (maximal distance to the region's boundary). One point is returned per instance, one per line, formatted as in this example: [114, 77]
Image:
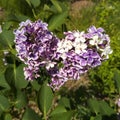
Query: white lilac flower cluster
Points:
[64, 59]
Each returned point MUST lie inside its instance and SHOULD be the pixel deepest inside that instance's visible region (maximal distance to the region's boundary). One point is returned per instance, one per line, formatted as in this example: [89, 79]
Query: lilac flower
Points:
[65, 59]
[95, 31]
[78, 52]
[93, 58]
[36, 47]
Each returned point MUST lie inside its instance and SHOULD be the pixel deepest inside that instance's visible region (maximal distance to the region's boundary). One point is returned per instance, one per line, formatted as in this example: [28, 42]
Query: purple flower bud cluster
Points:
[65, 59]
[36, 47]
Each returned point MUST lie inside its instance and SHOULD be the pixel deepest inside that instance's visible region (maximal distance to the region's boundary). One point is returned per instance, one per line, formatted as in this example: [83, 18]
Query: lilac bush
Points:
[65, 59]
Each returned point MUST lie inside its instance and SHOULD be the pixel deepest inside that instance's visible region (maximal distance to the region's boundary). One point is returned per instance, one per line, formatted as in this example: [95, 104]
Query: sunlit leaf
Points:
[56, 4]
[35, 3]
[57, 20]
[8, 116]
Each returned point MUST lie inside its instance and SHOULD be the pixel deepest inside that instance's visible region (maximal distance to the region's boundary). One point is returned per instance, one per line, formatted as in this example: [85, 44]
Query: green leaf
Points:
[4, 103]
[20, 81]
[15, 77]
[59, 109]
[62, 115]
[94, 105]
[7, 38]
[45, 97]
[65, 102]
[21, 100]
[17, 17]
[56, 4]
[9, 76]
[46, 7]
[35, 3]
[8, 116]
[92, 118]
[35, 85]
[98, 117]
[1, 113]
[29, 3]
[57, 20]
[100, 107]
[7, 25]
[117, 79]
[31, 115]
[3, 82]
[105, 109]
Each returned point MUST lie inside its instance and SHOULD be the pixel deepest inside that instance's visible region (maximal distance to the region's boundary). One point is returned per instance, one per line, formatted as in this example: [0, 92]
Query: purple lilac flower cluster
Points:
[36, 47]
[65, 59]
[79, 52]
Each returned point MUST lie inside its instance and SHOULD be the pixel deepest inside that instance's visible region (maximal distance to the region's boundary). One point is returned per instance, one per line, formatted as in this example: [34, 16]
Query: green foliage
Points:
[35, 3]
[100, 107]
[15, 78]
[45, 97]
[21, 100]
[4, 103]
[60, 113]
[3, 82]
[30, 115]
[117, 80]
[108, 17]
[57, 20]
[8, 117]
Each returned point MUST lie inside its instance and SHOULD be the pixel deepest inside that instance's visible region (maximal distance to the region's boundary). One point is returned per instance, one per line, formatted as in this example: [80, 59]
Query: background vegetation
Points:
[94, 97]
